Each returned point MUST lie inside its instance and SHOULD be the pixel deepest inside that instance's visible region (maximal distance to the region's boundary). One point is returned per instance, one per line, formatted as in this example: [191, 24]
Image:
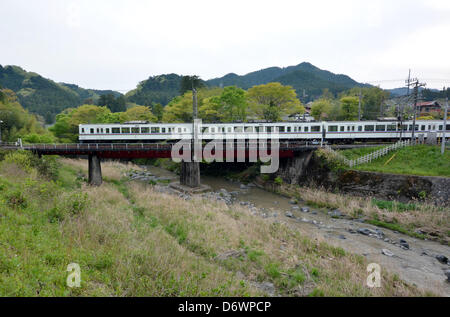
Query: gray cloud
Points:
[115, 44]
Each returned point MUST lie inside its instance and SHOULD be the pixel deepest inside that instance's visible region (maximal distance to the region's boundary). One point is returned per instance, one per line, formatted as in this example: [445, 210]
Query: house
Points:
[428, 107]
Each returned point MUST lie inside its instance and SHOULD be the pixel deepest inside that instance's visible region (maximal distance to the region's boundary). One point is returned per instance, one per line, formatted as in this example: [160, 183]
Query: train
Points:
[330, 131]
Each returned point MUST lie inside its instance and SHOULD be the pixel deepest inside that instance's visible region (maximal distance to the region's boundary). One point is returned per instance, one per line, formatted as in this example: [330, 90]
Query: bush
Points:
[38, 138]
[70, 206]
[278, 180]
[15, 199]
[46, 166]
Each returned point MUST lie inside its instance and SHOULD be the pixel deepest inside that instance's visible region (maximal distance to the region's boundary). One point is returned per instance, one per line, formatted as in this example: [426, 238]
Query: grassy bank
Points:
[131, 240]
[422, 160]
[418, 220]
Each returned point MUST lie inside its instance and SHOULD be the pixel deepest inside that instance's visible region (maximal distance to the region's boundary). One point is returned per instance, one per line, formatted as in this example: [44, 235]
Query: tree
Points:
[321, 109]
[115, 105]
[349, 108]
[158, 111]
[138, 113]
[66, 125]
[189, 82]
[233, 104]
[371, 99]
[210, 110]
[180, 108]
[17, 122]
[273, 100]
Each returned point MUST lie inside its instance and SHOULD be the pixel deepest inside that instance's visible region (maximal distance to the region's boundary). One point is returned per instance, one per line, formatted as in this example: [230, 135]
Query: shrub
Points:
[16, 199]
[278, 180]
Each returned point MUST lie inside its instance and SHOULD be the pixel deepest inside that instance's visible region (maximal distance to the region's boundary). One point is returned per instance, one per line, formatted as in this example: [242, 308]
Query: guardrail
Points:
[369, 157]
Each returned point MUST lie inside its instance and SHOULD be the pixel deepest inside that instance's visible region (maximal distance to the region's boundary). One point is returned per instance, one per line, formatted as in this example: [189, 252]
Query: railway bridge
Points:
[190, 173]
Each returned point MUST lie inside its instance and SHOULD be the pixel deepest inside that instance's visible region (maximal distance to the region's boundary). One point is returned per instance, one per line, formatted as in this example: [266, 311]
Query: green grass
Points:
[393, 205]
[422, 160]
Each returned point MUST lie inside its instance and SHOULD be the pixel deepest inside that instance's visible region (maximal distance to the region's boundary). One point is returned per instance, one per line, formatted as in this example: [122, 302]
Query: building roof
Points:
[428, 104]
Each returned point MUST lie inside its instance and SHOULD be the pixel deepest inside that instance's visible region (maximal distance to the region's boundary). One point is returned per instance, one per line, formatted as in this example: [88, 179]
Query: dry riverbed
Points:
[416, 261]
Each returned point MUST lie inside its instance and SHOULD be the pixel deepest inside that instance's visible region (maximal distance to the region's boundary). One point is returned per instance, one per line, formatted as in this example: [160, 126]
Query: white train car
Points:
[346, 131]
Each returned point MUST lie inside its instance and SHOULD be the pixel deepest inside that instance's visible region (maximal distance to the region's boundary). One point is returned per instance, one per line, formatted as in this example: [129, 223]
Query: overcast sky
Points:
[115, 44]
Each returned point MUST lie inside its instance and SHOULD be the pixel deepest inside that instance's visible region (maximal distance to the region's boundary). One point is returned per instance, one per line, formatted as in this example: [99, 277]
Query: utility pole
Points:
[416, 97]
[401, 107]
[359, 104]
[444, 128]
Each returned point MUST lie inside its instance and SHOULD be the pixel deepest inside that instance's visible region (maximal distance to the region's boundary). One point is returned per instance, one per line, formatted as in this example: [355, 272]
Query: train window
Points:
[115, 130]
[391, 127]
[82, 130]
[205, 130]
[368, 128]
[213, 130]
[238, 129]
[333, 128]
[447, 127]
[440, 127]
[269, 129]
[249, 129]
[280, 129]
[98, 130]
[306, 129]
[179, 130]
[381, 127]
[315, 128]
[107, 130]
[92, 130]
[145, 130]
[125, 130]
[422, 128]
[295, 129]
[360, 128]
[288, 129]
[340, 129]
[154, 130]
[134, 130]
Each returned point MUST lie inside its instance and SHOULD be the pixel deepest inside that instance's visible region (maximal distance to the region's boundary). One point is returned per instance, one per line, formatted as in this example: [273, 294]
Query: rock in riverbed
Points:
[404, 244]
[289, 214]
[387, 252]
[335, 213]
[442, 258]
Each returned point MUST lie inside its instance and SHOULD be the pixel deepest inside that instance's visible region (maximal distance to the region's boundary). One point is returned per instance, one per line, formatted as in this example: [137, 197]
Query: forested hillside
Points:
[43, 96]
[47, 98]
[156, 89]
[304, 76]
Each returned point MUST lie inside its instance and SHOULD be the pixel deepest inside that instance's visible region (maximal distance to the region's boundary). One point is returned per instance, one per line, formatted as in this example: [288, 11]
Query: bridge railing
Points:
[283, 145]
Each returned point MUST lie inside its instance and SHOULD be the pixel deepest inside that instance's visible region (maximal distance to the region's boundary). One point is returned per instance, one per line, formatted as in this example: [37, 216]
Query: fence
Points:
[369, 157]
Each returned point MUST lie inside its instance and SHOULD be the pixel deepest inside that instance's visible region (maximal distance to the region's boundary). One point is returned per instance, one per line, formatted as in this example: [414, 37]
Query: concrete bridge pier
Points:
[190, 174]
[95, 170]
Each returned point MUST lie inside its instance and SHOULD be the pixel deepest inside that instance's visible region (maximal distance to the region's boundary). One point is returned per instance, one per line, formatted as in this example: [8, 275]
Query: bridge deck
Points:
[159, 150]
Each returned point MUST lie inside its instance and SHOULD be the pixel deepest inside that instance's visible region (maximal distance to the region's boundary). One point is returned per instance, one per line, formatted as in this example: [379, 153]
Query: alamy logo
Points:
[262, 146]
[374, 278]
[74, 278]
